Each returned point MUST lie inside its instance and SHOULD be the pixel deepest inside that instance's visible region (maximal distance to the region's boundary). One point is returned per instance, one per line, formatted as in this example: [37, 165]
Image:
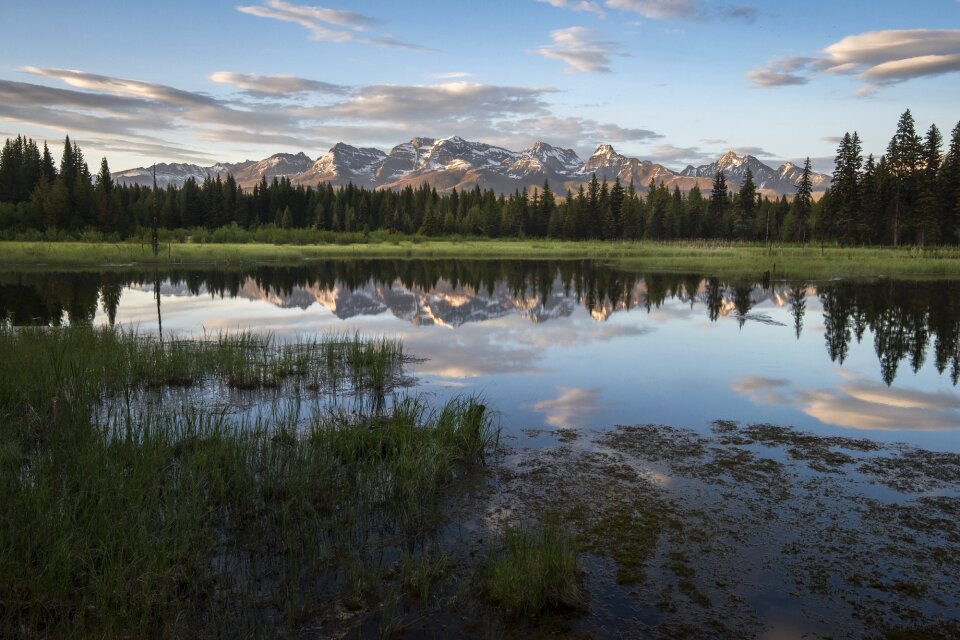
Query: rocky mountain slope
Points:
[448, 163]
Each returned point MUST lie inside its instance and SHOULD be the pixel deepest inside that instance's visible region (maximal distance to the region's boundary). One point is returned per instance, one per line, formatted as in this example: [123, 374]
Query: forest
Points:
[910, 195]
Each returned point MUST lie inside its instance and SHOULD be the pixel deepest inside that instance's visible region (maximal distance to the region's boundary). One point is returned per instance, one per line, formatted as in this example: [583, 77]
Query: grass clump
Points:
[127, 515]
[535, 570]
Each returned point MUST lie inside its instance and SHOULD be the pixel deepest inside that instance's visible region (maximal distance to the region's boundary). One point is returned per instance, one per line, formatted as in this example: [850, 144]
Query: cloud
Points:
[580, 49]
[859, 404]
[327, 25]
[122, 86]
[687, 10]
[668, 153]
[281, 85]
[445, 102]
[758, 152]
[772, 78]
[571, 408]
[715, 141]
[835, 139]
[143, 118]
[450, 75]
[578, 5]
[877, 59]
[570, 131]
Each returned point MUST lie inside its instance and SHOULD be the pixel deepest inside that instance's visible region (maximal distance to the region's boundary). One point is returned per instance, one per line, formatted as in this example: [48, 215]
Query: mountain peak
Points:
[605, 150]
[454, 162]
[729, 157]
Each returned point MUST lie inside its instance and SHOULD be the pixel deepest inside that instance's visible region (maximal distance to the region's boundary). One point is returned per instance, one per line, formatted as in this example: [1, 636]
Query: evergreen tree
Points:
[927, 221]
[802, 204]
[718, 205]
[950, 188]
[747, 205]
[904, 158]
[104, 198]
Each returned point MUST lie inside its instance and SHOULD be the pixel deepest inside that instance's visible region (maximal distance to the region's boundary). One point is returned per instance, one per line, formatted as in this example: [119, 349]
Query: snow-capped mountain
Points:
[246, 173]
[175, 173]
[734, 167]
[278, 165]
[344, 163]
[453, 162]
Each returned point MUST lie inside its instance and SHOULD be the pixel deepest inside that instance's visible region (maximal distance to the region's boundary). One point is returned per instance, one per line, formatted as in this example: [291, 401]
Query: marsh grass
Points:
[535, 570]
[126, 518]
[714, 257]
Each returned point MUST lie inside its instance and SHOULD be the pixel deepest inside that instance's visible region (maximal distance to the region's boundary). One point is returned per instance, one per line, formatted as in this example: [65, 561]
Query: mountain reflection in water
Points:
[538, 335]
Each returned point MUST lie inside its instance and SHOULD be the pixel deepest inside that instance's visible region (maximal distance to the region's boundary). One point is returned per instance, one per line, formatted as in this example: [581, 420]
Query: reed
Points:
[127, 513]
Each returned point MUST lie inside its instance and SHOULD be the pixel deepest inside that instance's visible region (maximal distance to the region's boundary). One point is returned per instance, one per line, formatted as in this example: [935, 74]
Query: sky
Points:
[675, 81]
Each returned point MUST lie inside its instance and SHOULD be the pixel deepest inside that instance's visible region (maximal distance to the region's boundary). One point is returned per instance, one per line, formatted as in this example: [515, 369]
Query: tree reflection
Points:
[907, 320]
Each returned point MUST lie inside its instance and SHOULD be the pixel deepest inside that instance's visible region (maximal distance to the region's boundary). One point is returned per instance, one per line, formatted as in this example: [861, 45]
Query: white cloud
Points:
[686, 10]
[773, 78]
[876, 58]
[578, 5]
[450, 75]
[580, 49]
[328, 25]
[143, 118]
[280, 85]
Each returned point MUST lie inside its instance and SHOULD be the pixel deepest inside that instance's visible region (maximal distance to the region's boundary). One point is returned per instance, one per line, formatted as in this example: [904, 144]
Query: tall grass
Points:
[714, 257]
[123, 517]
[535, 570]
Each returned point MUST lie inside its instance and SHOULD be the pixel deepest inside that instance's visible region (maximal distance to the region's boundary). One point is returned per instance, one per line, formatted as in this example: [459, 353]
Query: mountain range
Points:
[449, 163]
[452, 306]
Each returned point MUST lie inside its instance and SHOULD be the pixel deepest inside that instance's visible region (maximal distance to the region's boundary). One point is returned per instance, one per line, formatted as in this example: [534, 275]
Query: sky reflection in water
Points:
[628, 348]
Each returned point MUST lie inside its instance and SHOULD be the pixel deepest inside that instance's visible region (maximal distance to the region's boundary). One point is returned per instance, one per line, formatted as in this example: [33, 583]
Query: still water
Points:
[579, 344]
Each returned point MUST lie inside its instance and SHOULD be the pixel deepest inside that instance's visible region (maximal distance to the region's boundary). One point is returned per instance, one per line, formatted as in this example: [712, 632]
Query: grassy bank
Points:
[712, 258]
[131, 511]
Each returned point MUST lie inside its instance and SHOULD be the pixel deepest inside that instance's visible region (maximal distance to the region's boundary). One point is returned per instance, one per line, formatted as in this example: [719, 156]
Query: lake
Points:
[575, 344]
[734, 457]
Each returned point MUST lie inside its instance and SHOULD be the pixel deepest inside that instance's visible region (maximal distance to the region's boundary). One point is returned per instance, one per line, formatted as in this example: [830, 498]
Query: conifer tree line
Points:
[909, 195]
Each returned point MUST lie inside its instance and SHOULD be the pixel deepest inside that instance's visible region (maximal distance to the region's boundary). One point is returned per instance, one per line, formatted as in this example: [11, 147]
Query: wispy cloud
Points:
[143, 118]
[581, 49]
[573, 407]
[450, 75]
[676, 10]
[672, 154]
[328, 25]
[280, 85]
[578, 5]
[877, 59]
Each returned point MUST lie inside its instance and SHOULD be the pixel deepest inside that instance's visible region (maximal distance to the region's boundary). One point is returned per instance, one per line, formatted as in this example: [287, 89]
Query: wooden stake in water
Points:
[155, 231]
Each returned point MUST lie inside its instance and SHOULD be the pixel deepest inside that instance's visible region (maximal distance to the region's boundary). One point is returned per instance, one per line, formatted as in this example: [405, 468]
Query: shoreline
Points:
[720, 259]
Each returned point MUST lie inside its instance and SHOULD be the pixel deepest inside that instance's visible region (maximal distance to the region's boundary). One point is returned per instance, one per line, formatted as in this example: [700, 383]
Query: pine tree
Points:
[747, 204]
[104, 199]
[950, 188]
[904, 157]
[545, 210]
[927, 220]
[718, 205]
[802, 203]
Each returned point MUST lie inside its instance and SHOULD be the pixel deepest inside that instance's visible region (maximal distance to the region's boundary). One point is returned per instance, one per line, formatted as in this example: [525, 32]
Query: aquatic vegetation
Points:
[535, 570]
[123, 517]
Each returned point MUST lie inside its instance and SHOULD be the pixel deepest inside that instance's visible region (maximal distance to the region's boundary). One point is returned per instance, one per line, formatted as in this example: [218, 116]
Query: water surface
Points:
[579, 344]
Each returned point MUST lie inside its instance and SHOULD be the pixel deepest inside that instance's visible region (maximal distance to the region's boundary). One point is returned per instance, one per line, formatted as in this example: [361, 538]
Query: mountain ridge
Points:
[457, 163]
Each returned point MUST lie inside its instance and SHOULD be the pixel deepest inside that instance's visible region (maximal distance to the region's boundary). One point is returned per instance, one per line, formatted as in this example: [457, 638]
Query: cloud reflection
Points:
[859, 404]
[571, 408]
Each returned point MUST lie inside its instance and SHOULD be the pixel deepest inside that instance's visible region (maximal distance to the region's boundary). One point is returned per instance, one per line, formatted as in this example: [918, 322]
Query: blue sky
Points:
[676, 81]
